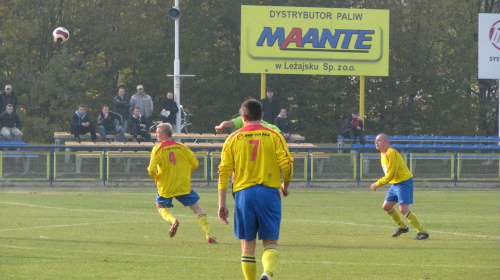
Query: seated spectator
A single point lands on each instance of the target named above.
(121, 105)
(110, 123)
(354, 127)
(139, 125)
(284, 123)
(10, 124)
(81, 124)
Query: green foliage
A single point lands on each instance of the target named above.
(431, 88)
(116, 233)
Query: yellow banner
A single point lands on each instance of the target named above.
(314, 41)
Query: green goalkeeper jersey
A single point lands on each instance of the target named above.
(238, 123)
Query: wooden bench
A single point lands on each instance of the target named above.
(61, 137)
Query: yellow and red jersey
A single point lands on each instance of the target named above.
(256, 154)
(170, 166)
(394, 167)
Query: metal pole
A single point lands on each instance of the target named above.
(362, 100)
(177, 72)
(263, 85)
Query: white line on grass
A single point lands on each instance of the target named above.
(366, 225)
(154, 213)
(237, 259)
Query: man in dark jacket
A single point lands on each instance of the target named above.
(121, 105)
(354, 127)
(169, 110)
(284, 123)
(10, 124)
(110, 123)
(8, 97)
(270, 106)
(139, 125)
(81, 124)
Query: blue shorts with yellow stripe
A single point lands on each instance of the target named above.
(257, 210)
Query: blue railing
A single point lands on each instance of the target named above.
(354, 164)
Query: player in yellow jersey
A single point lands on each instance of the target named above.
(170, 166)
(256, 154)
(401, 190)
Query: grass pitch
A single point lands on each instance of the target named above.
(116, 233)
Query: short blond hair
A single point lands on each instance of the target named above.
(165, 128)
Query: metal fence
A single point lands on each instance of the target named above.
(102, 164)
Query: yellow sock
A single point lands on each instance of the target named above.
(249, 267)
(396, 218)
(203, 221)
(270, 259)
(165, 213)
(412, 218)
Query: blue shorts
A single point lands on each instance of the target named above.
(186, 199)
(257, 210)
(401, 193)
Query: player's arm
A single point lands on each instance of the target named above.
(284, 188)
(225, 124)
(223, 211)
(285, 160)
(391, 169)
(226, 166)
(193, 161)
(153, 163)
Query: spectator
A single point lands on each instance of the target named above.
(110, 123)
(8, 97)
(170, 167)
(169, 110)
(81, 124)
(139, 125)
(354, 127)
(259, 162)
(271, 106)
(283, 122)
(143, 101)
(10, 124)
(121, 105)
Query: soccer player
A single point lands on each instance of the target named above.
(170, 166)
(256, 154)
(401, 190)
(238, 123)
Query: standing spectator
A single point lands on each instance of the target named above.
(257, 155)
(143, 101)
(110, 122)
(10, 124)
(81, 124)
(169, 110)
(121, 105)
(401, 190)
(354, 127)
(284, 123)
(139, 125)
(8, 97)
(170, 166)
(270, 106)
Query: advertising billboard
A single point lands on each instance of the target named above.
(314, 41)
(489, 46)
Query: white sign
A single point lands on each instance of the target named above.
(489, 46)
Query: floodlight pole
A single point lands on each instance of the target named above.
(177, 72)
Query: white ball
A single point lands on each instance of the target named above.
(60, 35)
